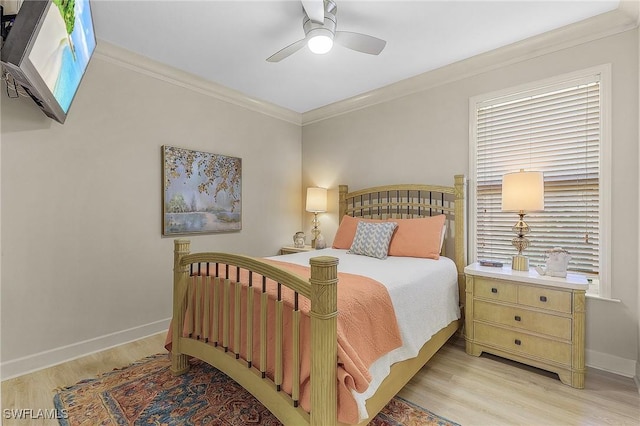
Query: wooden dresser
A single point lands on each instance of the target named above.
(525, 317)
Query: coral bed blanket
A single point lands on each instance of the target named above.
(367, 329)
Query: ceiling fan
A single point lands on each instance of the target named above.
(319, 24)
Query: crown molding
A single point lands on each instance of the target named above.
(143, 65)
(631, 8)
(624, 18)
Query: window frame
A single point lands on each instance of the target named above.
(605, 169)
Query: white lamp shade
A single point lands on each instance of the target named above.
(523, 191)
(316, 200)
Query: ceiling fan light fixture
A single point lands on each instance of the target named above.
(320, 41)
(320, 36)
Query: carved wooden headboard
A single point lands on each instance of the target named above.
(412, 201)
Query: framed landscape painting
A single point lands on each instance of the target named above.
(202, 192)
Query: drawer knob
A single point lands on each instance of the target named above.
(494, 290)
(518, 342)
(543, 298)
(517, 318)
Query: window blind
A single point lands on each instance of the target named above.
(555, 130)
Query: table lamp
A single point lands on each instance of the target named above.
(522, 192)
(316, 203)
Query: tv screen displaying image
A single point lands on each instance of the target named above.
(48, 50)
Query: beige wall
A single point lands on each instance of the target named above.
(424, 137)
(84, 265)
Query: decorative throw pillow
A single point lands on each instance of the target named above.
(420, 237)
(347, 231)
(372, 239)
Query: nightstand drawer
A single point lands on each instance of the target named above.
(494, 289)
(545, 298)
(526, 344)
(517, 317)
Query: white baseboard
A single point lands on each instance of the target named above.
(611, 363)
(30, 363)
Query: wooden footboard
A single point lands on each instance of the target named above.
(220, 345)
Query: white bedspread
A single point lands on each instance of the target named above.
(424, 293)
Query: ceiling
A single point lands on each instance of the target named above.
(227, 42)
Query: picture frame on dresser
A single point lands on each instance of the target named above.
(529, 318)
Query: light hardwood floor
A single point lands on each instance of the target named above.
(469, 390)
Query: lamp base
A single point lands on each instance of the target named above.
(520, 263)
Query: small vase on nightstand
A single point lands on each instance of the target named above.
(298, 239)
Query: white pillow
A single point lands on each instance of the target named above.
(372, 239)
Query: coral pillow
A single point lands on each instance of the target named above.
(347, 231)
(420, 237)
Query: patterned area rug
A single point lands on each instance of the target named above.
(146, 393)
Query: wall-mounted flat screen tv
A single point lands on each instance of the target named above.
(47, 51)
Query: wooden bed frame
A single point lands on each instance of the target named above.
(395, 201)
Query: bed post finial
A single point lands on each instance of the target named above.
(179, 361)
(324, 339)
(461, 231)
(180, 248)
(342, 201)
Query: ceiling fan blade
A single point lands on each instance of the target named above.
(289, 50)
(360, 42)
(314, 10)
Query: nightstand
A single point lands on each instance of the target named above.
(529, 318)
(292, 249)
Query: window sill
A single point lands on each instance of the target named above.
(593, 292)
(598, 297)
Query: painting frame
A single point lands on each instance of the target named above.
(201, 192)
